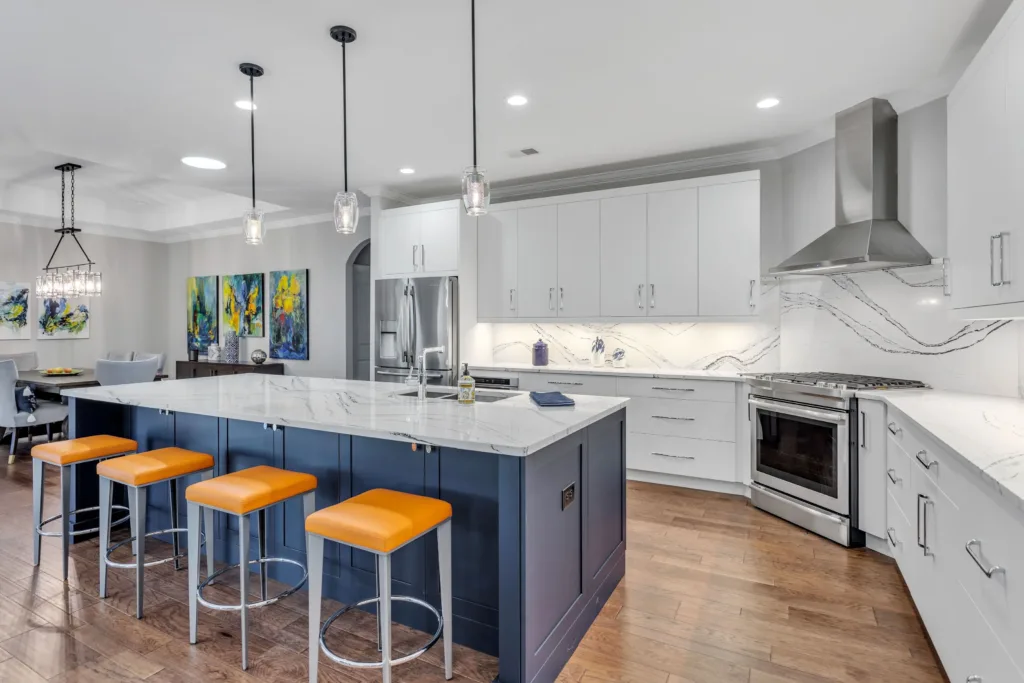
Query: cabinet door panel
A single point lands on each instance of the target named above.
(537, 262)
(439, 241)
(624, 256)
(872, 464)
(497, 237)
(730, 238)
(579, 248)
(672, 246)
(400, 234)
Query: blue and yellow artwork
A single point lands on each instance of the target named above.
(242, 304)
(202, 312)
(289, 314)
(14, 311)
(60, 319)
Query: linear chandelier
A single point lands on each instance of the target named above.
(75, 280)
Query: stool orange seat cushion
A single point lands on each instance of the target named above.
(162, 464)
(380, 520)
(83, 449)
(248, 490)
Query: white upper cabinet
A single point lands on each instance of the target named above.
(538, 262)
(624, 256)
(730, 249)
(579, 249)
(420, 240)
(497, 237)
(672, 253)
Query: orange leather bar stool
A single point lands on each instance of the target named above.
(240, 494)
(66, 454)
(380, 522)
(138, 472)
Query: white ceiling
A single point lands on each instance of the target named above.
(128, 88)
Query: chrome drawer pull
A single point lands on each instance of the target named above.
(924, 463)
(566, 384)
(671, 389)
(678, 419)
(890, 532)
(995, 569)
(975, 679)
(894, 430)
(893, 478)
(922, 520)
(670, 455)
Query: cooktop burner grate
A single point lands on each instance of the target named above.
(840, 380)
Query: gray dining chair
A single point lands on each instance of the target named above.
(48, 413)
(110, 372)
(121, 355)
(144, 355)
(25, 361)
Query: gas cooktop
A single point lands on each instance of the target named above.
(836, 380)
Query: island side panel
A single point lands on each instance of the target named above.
(89, 418)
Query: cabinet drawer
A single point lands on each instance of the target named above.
(917, 444)
(899, 535)
(976, 652)
(898, 479)
(691, 419)
(685, 457)
(686, 389)
(567, 383)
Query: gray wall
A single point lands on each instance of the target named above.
(132, 314)
(316, 247)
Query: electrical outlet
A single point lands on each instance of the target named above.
(568, 495)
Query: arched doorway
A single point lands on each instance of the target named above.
(359, 326)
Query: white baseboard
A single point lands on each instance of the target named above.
(879, 545)
(730, 487)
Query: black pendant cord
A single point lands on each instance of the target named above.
(64, 229)
(252, 137)
(344, 113)
(472, 33)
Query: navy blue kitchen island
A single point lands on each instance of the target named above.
(538, 495)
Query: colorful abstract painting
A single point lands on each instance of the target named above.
(61, 319)
(242, 304)
(14, 311)
(289, 314)
(202, 312)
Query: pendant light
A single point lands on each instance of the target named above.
(252, 219)
(77, 279)
(346, 204)
(476, 189)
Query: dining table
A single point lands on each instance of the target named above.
(56, 384)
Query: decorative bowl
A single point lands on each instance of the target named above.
(258, 356)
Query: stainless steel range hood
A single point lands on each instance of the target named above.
(868, 235)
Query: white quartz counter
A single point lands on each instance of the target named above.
(662, 373)
(515, 426)
(986, 431)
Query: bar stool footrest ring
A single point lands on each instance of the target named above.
(80, 532)
(151, 563)
(377, 665)
(252, 605)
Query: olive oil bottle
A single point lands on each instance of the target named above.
(467, 387)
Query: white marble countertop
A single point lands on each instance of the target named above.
(663, 373)
(515, 426)
(987, 432)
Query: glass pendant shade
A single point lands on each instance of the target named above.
(69, 284)
(252, 226)
(476, 191)
(346, 212)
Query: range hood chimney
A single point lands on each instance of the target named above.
(868, 235)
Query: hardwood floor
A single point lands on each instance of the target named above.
(715, 591)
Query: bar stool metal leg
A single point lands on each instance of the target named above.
(384, 614)
(65, 517)
(37, 508)
(315, 568)
(173, 486)
(193, 566)
(261, 532)
(243, 584)
(444, 559)
(137, 505)
(106, 488)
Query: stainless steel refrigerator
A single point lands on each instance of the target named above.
(414, 314)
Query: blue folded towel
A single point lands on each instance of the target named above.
(551, 399)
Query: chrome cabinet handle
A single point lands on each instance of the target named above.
(678, 419)
(974, 679)
(1002, 258)
(511, 299)
(922, 521)
(414, 248)
(890, 532)
(423, 256)
(551, 298)
(561, 298)
(751, 298)
(894, 430)
(863, 430)
(924, 463)
(566, 384)
(992, 261)
(892, 476)
(994, 569)
(673, 455)
(671, 389)
(639, 297)
(652, 296)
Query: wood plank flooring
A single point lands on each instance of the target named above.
(715, 591)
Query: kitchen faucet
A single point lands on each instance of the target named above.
(423, 368)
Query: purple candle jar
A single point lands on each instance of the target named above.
(540, 353)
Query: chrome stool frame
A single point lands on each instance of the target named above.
(65, 533)
(137, 499)
(195, 588)
(317, 633)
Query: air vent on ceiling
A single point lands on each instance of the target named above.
(526, 152)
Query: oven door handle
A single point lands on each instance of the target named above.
(800, 411)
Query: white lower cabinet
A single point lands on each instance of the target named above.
(871, 462)
(567, 383)
(683, 457)
(691, 419)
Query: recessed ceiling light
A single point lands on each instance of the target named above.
(517, 100)
(246, 105)
(204, 163)
(407, 170)
(768, 103)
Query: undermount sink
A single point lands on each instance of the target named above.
(448, 395)
(431, 393)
